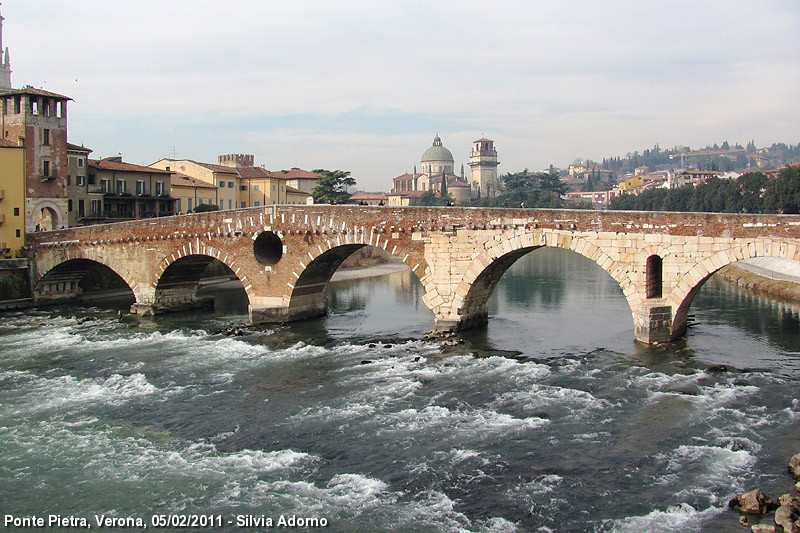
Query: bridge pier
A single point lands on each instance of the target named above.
(653, 323)
(473, 320)
(175, 297)
(262, 311)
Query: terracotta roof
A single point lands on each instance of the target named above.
(369, 196)
(8, 143)
(76, 148)
(408, 194)
(254, 173)
(296, 173)
(407, 176)
(296, 191)
(110, 164)
(455, 181)
(214, 168)
(33, 90)
(182, 180)
(483, 139)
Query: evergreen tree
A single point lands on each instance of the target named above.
(332, 186)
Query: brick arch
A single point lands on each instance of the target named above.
(488, 267)
(204, 250)
(692, 281)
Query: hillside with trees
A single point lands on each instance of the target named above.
(752, 192)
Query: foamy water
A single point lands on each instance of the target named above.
(387, 432)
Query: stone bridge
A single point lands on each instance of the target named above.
(285, 255)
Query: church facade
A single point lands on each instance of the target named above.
(438, 173)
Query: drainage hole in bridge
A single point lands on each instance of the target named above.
(268, 248)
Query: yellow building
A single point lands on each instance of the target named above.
(12, 199)
(191, 192)
(631, 183)
(224, 178)
(240, 184)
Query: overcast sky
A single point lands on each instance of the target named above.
(364, 85)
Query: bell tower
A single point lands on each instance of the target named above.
(5, 62)
(483, 162)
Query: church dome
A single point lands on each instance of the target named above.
(437, 152)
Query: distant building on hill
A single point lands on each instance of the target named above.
(438, 168)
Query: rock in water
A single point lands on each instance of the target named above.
(753, 502)
(762, 528)
(787, 513)
(794, 466)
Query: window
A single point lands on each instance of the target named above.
(78, 181)
(122, 187)
(654, 283)
(95, 208)
(69, 205)
(139, 187)
(46, 169)
(244, 204)
(231, 184)
(81, 208)
(92, 179)
(199, 201)
(105, 185)
(80, 162)
(69, 180)
(189, 202)
(45, 136)
(243, 188)
(178, 205)
(16, 211)
(273, 187)
(230, 202)
(159, 188)
(255, 187)
(256, 204)
(18, 233)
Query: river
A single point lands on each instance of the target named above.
(550, 419)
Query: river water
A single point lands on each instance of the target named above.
(550, 419)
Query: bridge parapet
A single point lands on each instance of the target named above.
(459, 254)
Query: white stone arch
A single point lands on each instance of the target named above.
(49, 263)
(46, 215)
(513, 246)
(690, 283)
(304, 294)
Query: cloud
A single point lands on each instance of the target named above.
(364, 86)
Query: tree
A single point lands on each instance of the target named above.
(205, 207)
(332, 186)
(430, 197)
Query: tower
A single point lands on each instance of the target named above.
(483, 162)
(5, 62)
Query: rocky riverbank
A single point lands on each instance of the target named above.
(784, 290)
(755, 504)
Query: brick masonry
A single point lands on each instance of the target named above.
(458, 254)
